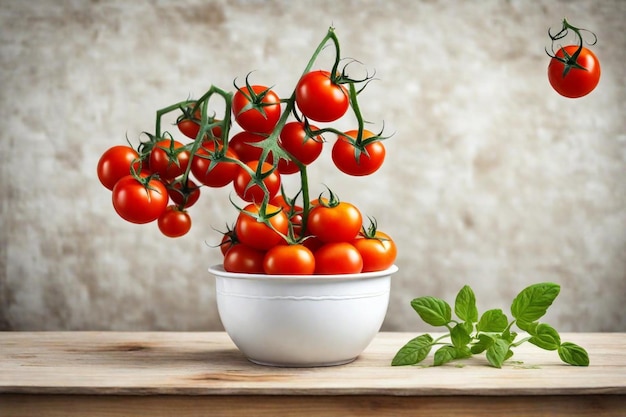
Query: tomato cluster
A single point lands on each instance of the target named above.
(273, 233)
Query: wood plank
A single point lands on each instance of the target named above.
(158, 363)
(299, 406)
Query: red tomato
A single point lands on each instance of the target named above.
(319, 98)
(169, 159)
(240, 143)
(577, 82)
(219, 175)
(115, 163)
(188, 123)
(294, 140)
(264, 112)
(250, 231)
(289, 260)
(378, 252)
(244, 259)
(255, 193)
(338, 258)
(184, 196)
(188, 127)
(137, 203)
(174, 222)
(286, 167)
(344, 156)
(340, 223)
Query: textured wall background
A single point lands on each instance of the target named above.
(492, 179)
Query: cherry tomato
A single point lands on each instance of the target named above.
(244, 259)
(169, 159)
(378, 252)
(178, 193)
(115, 163)
(255, 193)
(219, 175)
(287, 167)
(174, 222)
(344, 156)
(294, 140)
(241, 144)
(338, 258)
(340, 223)
(263, 115)
(188, 123)
(256, 233)
(137, 203)
(319, 98)
(289, 260)
(577, 82)
(188, 128)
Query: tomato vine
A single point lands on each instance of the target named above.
(322, 96)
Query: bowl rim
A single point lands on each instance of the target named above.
(219, 271)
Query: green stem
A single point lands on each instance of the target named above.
(357, 113)
(524, 340)
(306, 204)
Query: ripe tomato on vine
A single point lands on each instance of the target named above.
(574, 70)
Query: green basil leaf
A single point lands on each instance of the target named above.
(573, 354)
(528, 327)
(463, 352)
(414, 351)
(448, 353)
(468, 326)
(483, 343)
(498, 352)
(460, 337)
(492, 321)
(433, 311)
(546, 337)
(465, 305)
(444, 355)
(533, 302)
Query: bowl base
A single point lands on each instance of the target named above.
(302, 365)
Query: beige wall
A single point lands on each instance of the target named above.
(491, 180)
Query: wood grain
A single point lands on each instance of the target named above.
(109, 372)
(323, 406)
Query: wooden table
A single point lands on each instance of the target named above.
(193, 374)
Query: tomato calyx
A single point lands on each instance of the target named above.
(261, 215)
(192, 113)
(330, 202)
(255, 99)
(370, 231)
(229, 239)
(569, 61)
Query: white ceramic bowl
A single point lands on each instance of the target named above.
(302, 321)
